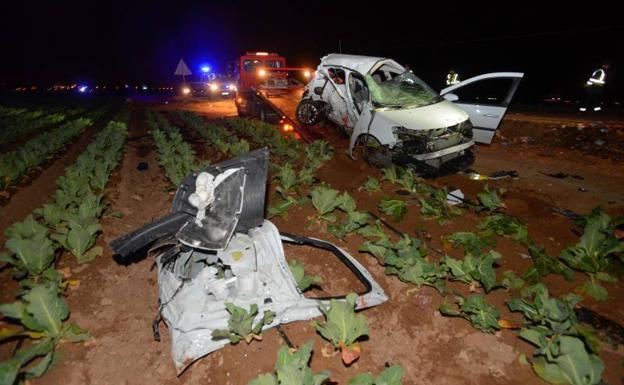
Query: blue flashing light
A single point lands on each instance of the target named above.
(205, 69)
(82, 89)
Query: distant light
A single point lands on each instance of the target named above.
(82, 89)
(306, 73)
(205, 69)
(213, 87)
(261, 72)
(582, 109)
(144, 87)
(127, 86)
(186, 91)
(287, 127)
(597, 108)
(231, 87)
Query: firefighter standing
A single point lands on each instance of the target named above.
(452, 78)
(595, 87)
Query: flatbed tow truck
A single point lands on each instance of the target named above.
(269, 90)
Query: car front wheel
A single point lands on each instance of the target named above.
(309, 112)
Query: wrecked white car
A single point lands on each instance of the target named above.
(215, 247)
(393, 116)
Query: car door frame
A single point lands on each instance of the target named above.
(483, 131)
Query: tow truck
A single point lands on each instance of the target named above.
(269, 90)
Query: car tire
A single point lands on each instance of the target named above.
(309, 112)
(369, 149)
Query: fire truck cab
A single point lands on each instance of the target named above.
(263, 75)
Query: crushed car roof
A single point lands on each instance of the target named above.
(361, 64)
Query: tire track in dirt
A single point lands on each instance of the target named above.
(40, 188)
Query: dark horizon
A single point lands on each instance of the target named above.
(557, 46)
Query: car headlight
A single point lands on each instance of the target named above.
(465, 128)
(402, 133)
(214, 87)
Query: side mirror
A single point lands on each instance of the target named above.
(318, 91)
(450, 97)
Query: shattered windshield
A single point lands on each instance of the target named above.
(403, 91)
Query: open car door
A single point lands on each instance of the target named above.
(485, 98)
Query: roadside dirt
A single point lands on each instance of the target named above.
(117, 303)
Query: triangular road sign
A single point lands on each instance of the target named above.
(182, 69)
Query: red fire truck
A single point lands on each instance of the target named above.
(267, 89)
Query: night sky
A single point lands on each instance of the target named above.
(556, 45)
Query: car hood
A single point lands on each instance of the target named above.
(439, 115)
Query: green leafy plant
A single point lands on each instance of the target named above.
(318, 152)
(474, 309)
(371, 185)
(489, 200)
(392, 375)
(474, 270)
(407, 259)
(325, 200)
(343, 327)
(355, 219)
(292, 368)
(511, 281)
(40, 307)
(473, 243)
(303, 281)
(544, 264)
(41, 311)
(436, 205)
(174, 154)
(373, 231)
(239, 147)
(79, 238)
(14, 369)
(408, 180)
(501, 224)
(566, 350)
(391, 174)
(240, 324)
(15, 164)
(593, 252)
(281, 208)
(33, 251)
(288, 178)
(396, 208)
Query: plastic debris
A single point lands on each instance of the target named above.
(455, 197)
(142, 166)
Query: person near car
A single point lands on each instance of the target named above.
(594, 88)
(452, 78)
